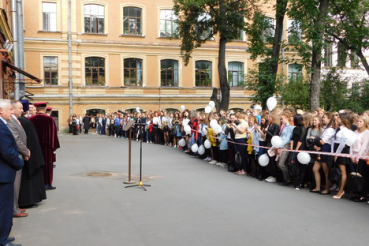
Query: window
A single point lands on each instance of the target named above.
(94, 18)
(95, 71)
(342, 55)
(49, 16)
(354, 60)
(202, 26)
(235, 74)
(169, 72)
(268, 33)
(328, 56)
(294, 72)
(132, 21)
(51, 70)
(294, 31)
(133, 72)
(203, 73)
(168, 25)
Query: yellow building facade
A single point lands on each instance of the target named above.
(122, 58)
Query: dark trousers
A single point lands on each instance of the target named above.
(240, 147)
(215, 153)
(6, 211)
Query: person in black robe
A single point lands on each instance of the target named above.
(49, 142)
(86, 123)
(32, 189)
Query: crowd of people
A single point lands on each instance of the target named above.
(27, 154)
(246, 135)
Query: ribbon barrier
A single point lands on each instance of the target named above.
(297, 151)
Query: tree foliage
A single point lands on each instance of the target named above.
(296, 93)
(196, 17)
(203, 20)
(266, 47)
(349, 25)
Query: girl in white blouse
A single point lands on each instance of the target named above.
(360, 148)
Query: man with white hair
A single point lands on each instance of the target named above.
(9, 164)
(21, 139)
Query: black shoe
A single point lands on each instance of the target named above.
(12, 244)
(314, 191)
(50, 187)
(54, 166)
(359, 199)
(285, 183)
(322, 193)
(11, 239)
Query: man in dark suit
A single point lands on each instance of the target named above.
(9, 164)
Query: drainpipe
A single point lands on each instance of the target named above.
(70, 82)
(21, 83)
(15, 43)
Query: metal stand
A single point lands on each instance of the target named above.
(129, 181)
(140, 184)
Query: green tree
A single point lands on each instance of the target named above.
(334, 91)
(264, 80)
(349, 25)
(296, 93)
(201, 20)
(312, 18)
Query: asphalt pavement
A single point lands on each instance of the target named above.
(189, 203)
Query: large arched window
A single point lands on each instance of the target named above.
(203, 73)
(94, 18)
(235, 74)
(133, 72)
(132, 21)
(169, 72)
(95, 71)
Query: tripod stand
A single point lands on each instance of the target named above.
(140, 184)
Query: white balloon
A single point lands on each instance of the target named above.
(276, 142)
(349, 137)
(271, 103)
(138, 109)
(194, 148)
(187, 129)
(182, 142)
(201, 150)
(264, 160)
(217, 129)
(183, 108)
(204, 130)
(212, 104)
(208, 109)
(213, 123)
(303, 158)
(207, 144)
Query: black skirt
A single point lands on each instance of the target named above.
(342, 160)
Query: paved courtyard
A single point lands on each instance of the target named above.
(190, 203)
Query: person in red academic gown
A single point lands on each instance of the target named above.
(49, 142)
(32, 189)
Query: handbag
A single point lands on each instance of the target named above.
(292, 165)
(355, 182)
(334, 174)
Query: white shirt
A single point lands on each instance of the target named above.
(5, 122)
(361, 145)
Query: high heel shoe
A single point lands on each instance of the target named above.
(339, 197)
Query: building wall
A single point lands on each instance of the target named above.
(115, 47)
